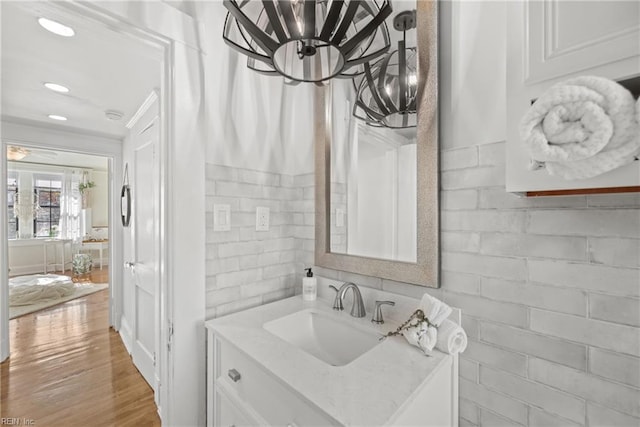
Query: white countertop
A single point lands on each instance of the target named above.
(368, 391)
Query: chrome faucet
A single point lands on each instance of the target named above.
(357, 310)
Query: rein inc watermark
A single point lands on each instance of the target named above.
(17, 421)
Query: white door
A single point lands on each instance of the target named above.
(143, 172)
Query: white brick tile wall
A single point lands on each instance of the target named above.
(532, 344)
(598, 415)
(564, 300)
(246, 267)
(485, 265)
(540, 418)
(489, 355)
(586, 222)
(535, 393)
(617, 396)
(497, 402)
(625, 310)
(620, 338)
(615, 366)
(459, 199)
(459, 159)
(469, 369)
(536, 246)
(469, 411)
(615, 251)
(488, 418)
(587, 277)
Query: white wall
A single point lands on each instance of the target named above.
(100, 199)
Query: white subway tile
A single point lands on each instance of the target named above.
(620, 338)
(497, 402)
(615, 366)
(468, 369)
(281, 193)
(600, 416)
(491, 176)
(232, 235)
(258, 177)
(239, 305)
(238, 278)
(304, 180)
(471, 326)
(222, 296)
(283, 244)
(488, 418)
(458, 199)
(586, 277)
(361, 280)
(456, 241)
(401, 288)
(534, 393)
(532, 344)
(484, 265)
(218, 266)
(625, 310)
(537, 246)
(622, 398)
(483, 308)
(615, 251)
(250, 205)
(278, 270)
(565, 300)
(235, 189)
(469, 411)
(260, 287)
(591, 222)
(488, 220)
(226, 250)
(465, 423)
(540, 418)
(614, 200)
(247, 261)
(460, 282)
(488, 355)
(459, 159)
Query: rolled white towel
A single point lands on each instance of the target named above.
(452, 338)
(439, 332)
(582, 127)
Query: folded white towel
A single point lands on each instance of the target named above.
(438, 332)
(452, 338)
(582, 127)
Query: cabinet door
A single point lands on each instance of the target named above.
(228, 414)
(550, 41)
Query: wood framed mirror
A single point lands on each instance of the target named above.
(349, 225)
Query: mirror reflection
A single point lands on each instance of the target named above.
(373, 165)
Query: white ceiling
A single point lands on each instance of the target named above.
(62, 158)
(103, 69)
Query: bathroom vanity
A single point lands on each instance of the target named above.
(299, 363)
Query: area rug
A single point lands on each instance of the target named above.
(81, 290)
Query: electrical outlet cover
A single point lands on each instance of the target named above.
(262, 218)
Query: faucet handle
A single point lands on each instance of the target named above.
(377, 313)
(337, 302)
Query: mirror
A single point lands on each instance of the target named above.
(377, 186)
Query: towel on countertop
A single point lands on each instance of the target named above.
(439, 332)
(582, 127)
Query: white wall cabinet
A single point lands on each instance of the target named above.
(550, 41)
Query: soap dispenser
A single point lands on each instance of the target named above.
(309, 286)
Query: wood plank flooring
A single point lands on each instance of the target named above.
(68, 368)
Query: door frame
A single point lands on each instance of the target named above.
(182, 166)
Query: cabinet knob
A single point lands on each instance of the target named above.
(234, 375)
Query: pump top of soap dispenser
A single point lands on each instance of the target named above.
(309, 272)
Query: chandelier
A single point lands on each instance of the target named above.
(308, 40)
(386, 93)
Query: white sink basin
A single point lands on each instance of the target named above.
(324, 336)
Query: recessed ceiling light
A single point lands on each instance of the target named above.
(56, 87)
(56, 117)
(56, 27)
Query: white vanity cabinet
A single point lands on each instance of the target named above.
(257, 379)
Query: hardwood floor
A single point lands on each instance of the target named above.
(68, 368)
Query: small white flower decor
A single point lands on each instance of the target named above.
(82, 264)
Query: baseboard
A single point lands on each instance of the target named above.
(21, 270)
(125, 334)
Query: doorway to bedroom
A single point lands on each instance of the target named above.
(58, 227)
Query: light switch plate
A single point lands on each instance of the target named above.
(221, 217)
(262, 218)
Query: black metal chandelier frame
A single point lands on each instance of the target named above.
(285, 26)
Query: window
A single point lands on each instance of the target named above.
(47, 188)
(12, 189)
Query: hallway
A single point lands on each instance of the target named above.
(68, 368)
